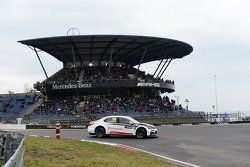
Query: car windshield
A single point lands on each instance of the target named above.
(134, 121)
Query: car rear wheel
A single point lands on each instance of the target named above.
(100, 132)
(140, 133)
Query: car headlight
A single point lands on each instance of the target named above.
(150, 127)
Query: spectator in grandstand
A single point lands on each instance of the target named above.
(117, 105)
(11, 105)
(94, 73)
(63, 106)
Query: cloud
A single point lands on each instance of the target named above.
(218, 31)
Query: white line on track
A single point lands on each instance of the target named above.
(167, 158)
(34, 135)
(99, 142)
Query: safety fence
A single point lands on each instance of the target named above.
(12, 149)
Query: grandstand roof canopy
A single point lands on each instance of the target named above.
(126, 48)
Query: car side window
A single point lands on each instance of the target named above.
(110, 120)
(124, 121)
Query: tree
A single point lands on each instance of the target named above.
(10, 92)
(29, 89)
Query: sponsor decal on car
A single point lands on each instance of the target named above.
(120, 133)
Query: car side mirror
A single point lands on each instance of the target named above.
(131, 123)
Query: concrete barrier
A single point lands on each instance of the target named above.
(12, 127)
(54, 127)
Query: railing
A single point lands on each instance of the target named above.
(12, 149)
(109, 80)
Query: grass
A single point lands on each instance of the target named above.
(50, 152)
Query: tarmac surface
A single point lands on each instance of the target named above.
(202, 145)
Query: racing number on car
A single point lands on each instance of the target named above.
(114, 119)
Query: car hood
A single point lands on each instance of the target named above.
(145, 124)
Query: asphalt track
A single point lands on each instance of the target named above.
(208, 146)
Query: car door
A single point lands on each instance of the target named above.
(112, 125)
(125, 126)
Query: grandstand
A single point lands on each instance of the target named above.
(11, 105)
(101, 76)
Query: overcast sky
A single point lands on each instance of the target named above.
(218, 30)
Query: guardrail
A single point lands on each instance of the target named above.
(12, 149)
(109, 80)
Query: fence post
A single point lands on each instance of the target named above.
(2, 145)
(58, 126)
(8, 151)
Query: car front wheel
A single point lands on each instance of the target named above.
(141, 133)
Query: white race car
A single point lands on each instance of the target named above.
(121, 125)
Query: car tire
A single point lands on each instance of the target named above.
(141, 133)
(100, 132)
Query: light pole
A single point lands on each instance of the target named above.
(177, 100)
(213, 112)
(216, 99)
(187, 101)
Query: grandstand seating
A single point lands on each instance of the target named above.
(59, 106)
(91, 106)
(93, 73)
(13, 104)
(67, 108)
(65, 75)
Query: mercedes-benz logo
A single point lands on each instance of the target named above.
(43, 88)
